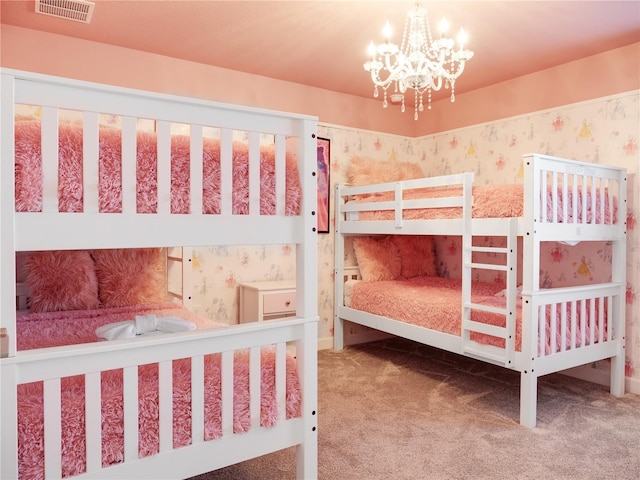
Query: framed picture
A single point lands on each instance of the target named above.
(324, 163)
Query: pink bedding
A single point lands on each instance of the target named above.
(64, 328)
(436, 303)
(489, 201)
(28, 173)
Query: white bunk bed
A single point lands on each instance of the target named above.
(546, 316)
(48, 229)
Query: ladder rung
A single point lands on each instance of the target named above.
(485, 308)
(486, 356)
(490, 249)
(487, 266)
(493, 330)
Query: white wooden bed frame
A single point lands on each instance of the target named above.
(541, 172)
(49, 231)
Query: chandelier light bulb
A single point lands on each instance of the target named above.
(387, 31)
(419, 62)
(443, 26)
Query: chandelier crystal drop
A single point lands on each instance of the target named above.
(420, 63)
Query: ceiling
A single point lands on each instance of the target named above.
(323, 43)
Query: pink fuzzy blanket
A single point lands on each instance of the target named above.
(28, 173)
(489, 201)
(65, 328)
(435, 303)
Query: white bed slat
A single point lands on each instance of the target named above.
(281, 380)
(93, 421)
(254, 173)
(227, 392)
(197, 399)
(90, 146)
(281, 161)
(254, 385)
(226, 162)
(52, 428)
(195, 172)
(553, 324)
(554, 196)
(129, 164)
(130, 408)
(49, 126)
(165, 410)
(164, 167)
(563, 323)
(574, 324)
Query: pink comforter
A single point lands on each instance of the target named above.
(436, 303)
(61, 328)
(28, 179)
(489, 201)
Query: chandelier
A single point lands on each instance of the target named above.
(420, 63)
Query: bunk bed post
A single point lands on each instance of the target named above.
(338, 277)
(530, 285)
(307, 301)
(8, 372)
(619, 275)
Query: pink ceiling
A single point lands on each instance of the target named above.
(323, 43)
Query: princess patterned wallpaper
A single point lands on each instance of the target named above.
(604, 130)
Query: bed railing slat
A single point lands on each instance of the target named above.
(254, 385)
(227, 392)
(195, 172)
(164, 167)
(52, 428)
(50, 157)
(226, 162)
(165, 407)
(281, 379)
(93, 421)
(90, 147)
(130, 408)
(197, 399)
(254, 173)
(129, 148)
(281, 159)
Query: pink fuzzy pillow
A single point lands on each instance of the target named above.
(378, 258)
(131, 276)
(417, 255)
(365, 171)
(61, 280)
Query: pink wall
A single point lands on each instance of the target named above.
(26, 49)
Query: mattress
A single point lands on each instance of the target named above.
(491, 201)
(28, 173)
(39, 330)
(436, 303)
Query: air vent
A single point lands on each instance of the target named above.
(77, 10)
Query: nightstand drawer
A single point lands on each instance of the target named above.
(279, 303)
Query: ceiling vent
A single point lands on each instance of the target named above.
(77, 10)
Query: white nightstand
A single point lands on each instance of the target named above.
(259, 301)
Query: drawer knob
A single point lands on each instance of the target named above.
(288, 303)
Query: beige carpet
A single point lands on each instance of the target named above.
(398, 410)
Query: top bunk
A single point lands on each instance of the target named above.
(559, 200)
(99, 166)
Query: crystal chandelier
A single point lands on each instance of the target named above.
(420, 63)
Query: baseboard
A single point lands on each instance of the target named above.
(602, 377)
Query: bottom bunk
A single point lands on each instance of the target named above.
(192, 402)
(573, 325)
(126, 384)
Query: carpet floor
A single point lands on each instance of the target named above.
(395, 409)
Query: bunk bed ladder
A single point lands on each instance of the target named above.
(503, 356)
